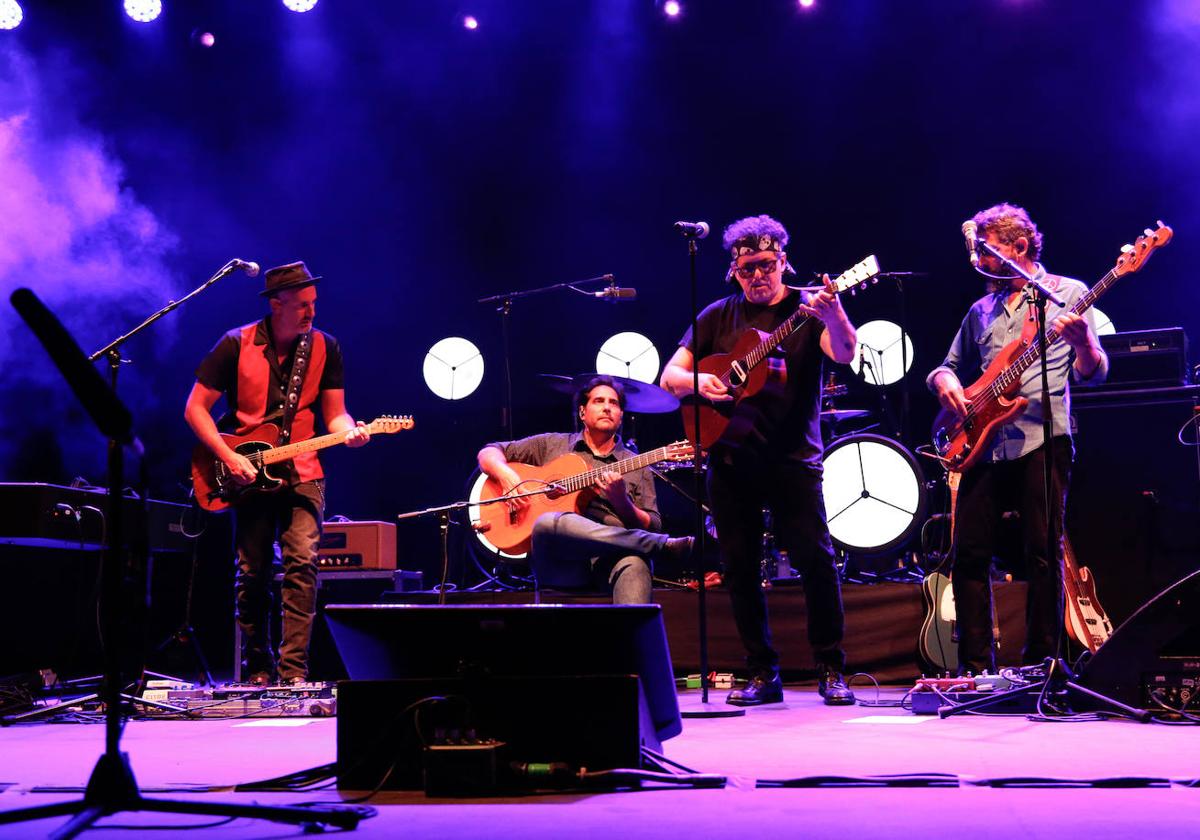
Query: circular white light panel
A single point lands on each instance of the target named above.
(1104, 324)
(892, 494)
(453, 368)
(10, 14)
(630, 355)
(879, 344)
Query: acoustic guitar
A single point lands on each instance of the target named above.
(742, 370)
(961, 441)
(215, 488)
(562, 486)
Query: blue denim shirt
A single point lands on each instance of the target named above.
(992, 324)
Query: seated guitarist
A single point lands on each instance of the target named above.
(775, 458)
(615, 540)
(1010, 476)
(252, 366)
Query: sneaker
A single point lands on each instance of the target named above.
(764, 688)
(832, 686)
(259, 678)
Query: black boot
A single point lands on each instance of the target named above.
(764, 688)
(833, 688)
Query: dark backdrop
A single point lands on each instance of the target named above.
(418, 166)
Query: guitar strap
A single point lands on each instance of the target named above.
(295, 384)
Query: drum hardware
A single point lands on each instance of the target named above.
(640, 397)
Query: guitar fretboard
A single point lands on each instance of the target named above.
(1030, 355)
(291, 450)
(583, 480)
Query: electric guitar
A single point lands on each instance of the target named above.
(1086, 620)
(961, 441)
(215, 488)
(741, 370)
(562, 486)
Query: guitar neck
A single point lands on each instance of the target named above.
(583, 480)
(1033, 352)
(291, 450)
(764, 347)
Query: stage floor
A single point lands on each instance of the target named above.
(799, 738)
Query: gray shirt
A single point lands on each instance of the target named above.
(992, 324)
(539, 450)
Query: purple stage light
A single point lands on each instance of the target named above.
(299, 5)
(470, 22)
(10, 14)
(672, 8)
(143, 11)
(807, 4)
(205, 39)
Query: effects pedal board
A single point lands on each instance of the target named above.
(245, 701)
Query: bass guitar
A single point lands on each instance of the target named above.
(215, 488)
(742, 370)
(1086, 620)
(562, 486)
(993, 400)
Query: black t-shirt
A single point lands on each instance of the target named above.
(783, 424)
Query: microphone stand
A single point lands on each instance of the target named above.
(698, 490)
(112, 787)
(505, 301)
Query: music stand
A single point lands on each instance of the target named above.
(112, 787)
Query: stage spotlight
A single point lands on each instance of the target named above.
(300, 5)
(807, 4)
(10, 14)
(201, 38)
(453, 368)
(143, 11)
(672, 8)
(470, 22)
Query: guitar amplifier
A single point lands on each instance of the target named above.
(357, 546)
(1145, 358)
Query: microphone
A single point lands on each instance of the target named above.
(692, 230)
(251, 268)
(616, 293)
(970, 230)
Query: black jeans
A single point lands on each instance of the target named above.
(987, 491)
(294, 514)
(738, 490)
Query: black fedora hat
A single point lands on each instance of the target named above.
(291, 276)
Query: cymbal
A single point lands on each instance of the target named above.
(835, 414)
(640, 397)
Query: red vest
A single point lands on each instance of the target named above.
(254, 378)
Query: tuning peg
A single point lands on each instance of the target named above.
(1160, 223)
(1148, 232)
(1126, 248)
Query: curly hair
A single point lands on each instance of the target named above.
(1010, 222)
(585, 393)
(754, 226)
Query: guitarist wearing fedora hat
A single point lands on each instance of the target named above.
(278, 370)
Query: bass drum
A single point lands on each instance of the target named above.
(874, 494)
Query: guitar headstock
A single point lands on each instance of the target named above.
(680, 450)
(862, 274)
(389, 424)
(1134, 256)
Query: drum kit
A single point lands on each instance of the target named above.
(876, 494)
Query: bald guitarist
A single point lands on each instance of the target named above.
(613, 540)
(1008, 475)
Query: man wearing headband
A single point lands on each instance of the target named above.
(1010, 476)
(775, 460)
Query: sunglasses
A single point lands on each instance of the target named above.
(765, 266)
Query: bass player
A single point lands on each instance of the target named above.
(615, 538)
(1009, 476)
(261, 368)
